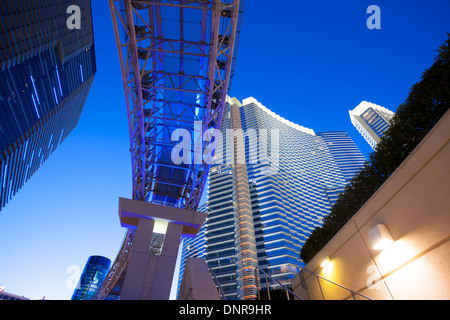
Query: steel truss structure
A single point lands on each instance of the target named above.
(176, 59)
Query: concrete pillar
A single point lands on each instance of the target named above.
(149, 276)
(133, 285)
(197, 283)
(165, 266)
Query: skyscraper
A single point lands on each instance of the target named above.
(93, 274)
(47, 68)
(344, 151)
(371, 120)
(261, 212)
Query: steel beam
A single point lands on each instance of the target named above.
(176, 59)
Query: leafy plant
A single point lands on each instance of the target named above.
(426, 103)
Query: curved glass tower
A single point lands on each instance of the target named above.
(93, 274)
(287, 183)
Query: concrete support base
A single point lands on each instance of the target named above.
(197, 283)
(149, 276)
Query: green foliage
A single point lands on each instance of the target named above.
(427, 102)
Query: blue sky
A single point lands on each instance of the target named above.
(309, 62)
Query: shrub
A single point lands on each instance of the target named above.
(426, 103)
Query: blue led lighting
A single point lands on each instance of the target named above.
(35, 91)
(49, 141)
(6, 167)
(59, 141)
(59, 81)
(81, 72)
(54, 92)
(35, 107)
(25, 150)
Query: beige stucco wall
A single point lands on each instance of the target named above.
(414, 204)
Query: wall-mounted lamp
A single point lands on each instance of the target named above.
(325, 261)
(380, 237)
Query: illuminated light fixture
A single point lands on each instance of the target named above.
(380, 237)
(325, 261)
(160, 226)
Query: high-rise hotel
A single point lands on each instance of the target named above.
(47, 66)
(371, 120)
(261, 210)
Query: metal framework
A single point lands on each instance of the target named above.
(176, 59)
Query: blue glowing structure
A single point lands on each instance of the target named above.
(177, 59)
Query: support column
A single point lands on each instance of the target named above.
(149, 276)
(139, 257)
(166, 263)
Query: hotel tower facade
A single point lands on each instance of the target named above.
(371, 120)
(261, 212)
